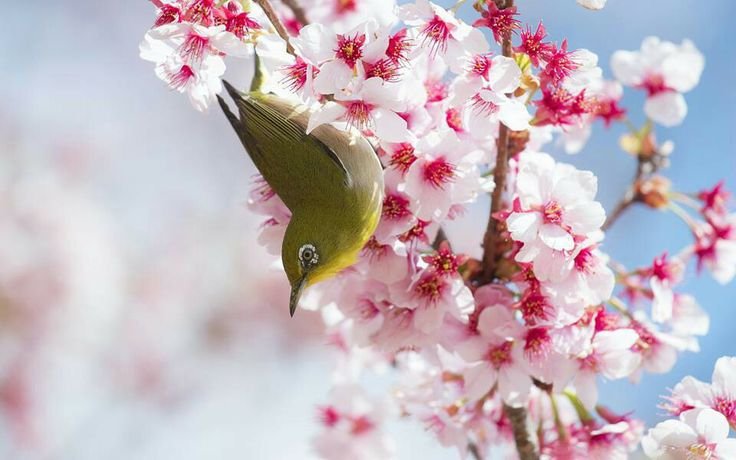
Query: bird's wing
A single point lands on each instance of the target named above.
(299, 167)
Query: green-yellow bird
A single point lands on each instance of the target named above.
(330, 180)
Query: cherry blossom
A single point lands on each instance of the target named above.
(665, 71)
(699, 433)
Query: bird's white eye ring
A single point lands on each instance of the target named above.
(308, 255)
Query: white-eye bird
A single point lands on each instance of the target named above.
(331, 181)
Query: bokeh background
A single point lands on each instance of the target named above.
(140, 319)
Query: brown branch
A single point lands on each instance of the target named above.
(277, 24)
(473, 450)
(493, 250)
(298, 11)
(630, 197)
(526, 449)
(494, 228)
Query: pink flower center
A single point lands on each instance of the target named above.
(552, 212)
(500, 355)
(350, 49)
(481, 65)
(344, 6)
(241, 25)
(534, 46)
(329, 416)
(700, 451)
(361, 425)
(590, 363)
(417, 232)
(654, 84)
(167, 15)
(194, 47)
(483, 106)
(559, 64)
(395, 207)
(727, 407)
(200, 12)
(436, 90)
(436, 32)
(444, 262)
(454, 120)
(398, 47)
(662, 269)
(403, 158)
(534, 308)
(585, 260)
(385, 69)
(367, 310)
(430, 288)
(439, 172)
(179, 80)
(295, 75)
(359, 114)
(538, 343)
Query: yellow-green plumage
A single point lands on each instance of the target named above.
(330, 180)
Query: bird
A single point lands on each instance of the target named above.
(331, 180)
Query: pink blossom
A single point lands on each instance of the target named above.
(665, 71)
(699, 433)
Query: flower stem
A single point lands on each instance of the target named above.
(277, 24)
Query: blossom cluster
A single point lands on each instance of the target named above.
(433, 94)
(705, 415)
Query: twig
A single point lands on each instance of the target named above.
(493, 229)
(630, 197)
(473, 449)
(524, 445)
(298, 11)
(277, 24)
(440, 238)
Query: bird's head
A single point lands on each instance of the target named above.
(315, 249)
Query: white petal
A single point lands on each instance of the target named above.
(524, 226)
(682, 70)
(515, 115)
(479, 380)
(334, 76)
(230, 44)
(315, 43)
(627, 67)
(668, 108)
(724, 376)
(712, 425)
(620, 339)
(328, 113)
(556, 237)
(592, 4)
(504, 75)
(389, 126)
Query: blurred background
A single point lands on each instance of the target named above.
(140, 319)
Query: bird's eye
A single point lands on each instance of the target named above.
(308, 255)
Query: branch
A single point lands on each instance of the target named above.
(524, 445)
(277, 24)
(473, 450)
(298, 11)
(493, 230)
(630, 197)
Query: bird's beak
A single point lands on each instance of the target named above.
(296, 293)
